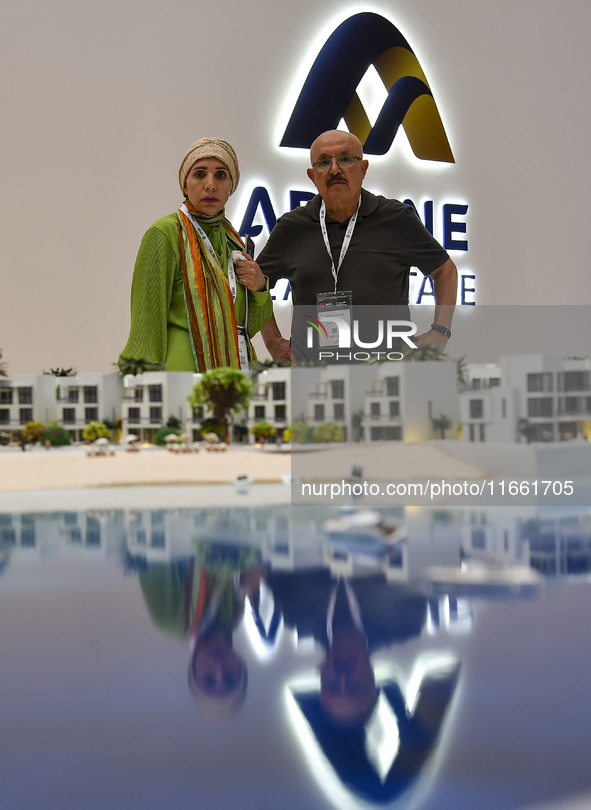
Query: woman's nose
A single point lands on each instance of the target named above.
(210, 181)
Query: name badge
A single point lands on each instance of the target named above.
(242, 348)
(333, 305)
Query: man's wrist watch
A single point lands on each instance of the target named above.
(437, 327)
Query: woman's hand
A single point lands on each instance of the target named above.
(250, 274)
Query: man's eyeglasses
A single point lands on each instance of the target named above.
(344, 162)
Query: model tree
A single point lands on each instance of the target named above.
(96, 430)
(32, 432)
(329, 432)
(263, 431)
(225, 391)
(56, 436)
(301, 432)
(442, 423)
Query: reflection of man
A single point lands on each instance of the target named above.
(371, 244)
(348, 691)
(352, 619)
(363, 755)
(312, 603)
(201, 600)
(358, 621)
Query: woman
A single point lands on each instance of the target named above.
(192, 307)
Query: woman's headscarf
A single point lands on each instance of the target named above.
(207, 148)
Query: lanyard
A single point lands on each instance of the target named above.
(353, 607)
(214, 256)
(346, 240)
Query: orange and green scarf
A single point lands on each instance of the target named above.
(208, 297)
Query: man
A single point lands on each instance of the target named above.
(371, 244)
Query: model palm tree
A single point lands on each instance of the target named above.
(62, 372)
(264, 365)
(526, 429)
(442, 423)
(426, 353)
(357, 423)
(462, 368)
(129, 365)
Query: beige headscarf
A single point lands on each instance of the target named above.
(210, 147)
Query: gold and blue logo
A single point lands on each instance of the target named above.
(330, 94)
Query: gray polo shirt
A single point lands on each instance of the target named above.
(388, 240)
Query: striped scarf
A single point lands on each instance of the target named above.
(208, 297)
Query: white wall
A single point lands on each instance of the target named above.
(100, 101)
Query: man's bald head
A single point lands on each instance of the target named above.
(338, 186)
(334, 142)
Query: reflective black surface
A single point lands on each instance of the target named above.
(295, 657)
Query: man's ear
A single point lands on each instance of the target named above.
(310, 173)
(365, 165)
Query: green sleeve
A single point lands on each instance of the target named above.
(260, 309)
(164, 588)
(151, 291)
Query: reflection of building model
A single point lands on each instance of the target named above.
(552, 544)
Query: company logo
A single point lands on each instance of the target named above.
(390, 333)
(329, 92)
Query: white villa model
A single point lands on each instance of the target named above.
(533, 398)
(544, 398)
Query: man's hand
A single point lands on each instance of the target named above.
(250, 274)
(432, 338)
(278, 347)
(445, 285)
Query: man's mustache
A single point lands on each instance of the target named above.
(335, 178)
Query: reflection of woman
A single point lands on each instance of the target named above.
(201, 600)
(192, 309)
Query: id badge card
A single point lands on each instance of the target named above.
(333, 305)
(242, 348)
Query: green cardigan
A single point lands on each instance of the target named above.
(171, 590)
(159, 332)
